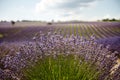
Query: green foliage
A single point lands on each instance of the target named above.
(61, 67)
(113, 19)
(1, 35)
(12, 22)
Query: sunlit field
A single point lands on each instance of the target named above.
(59, 39)
(60, 51)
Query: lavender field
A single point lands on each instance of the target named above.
(26, 43)
(59, 39)
(105, 32)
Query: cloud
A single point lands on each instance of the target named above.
(65, 5)
(106, 16)
(63, 8)
(110, 16)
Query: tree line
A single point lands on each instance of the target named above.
(113, 19)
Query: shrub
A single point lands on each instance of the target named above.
(49, 23)
(33, 55)
(12, 22)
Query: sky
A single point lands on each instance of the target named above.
(59, 10)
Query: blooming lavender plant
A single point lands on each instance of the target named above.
(55, 44)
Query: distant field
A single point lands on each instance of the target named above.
(105, 30)
(26, 30)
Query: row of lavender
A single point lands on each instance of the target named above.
(99, 30)
(14, 59)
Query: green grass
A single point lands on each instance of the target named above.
(1, 35)
(61, 68)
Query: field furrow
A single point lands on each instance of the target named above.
(79, 30)
(96, 32)
(101, 31)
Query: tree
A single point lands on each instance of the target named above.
(113, 19)
(12, 22)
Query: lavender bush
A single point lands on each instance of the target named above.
(55, 44)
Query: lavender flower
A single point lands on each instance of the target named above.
(56, 44)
